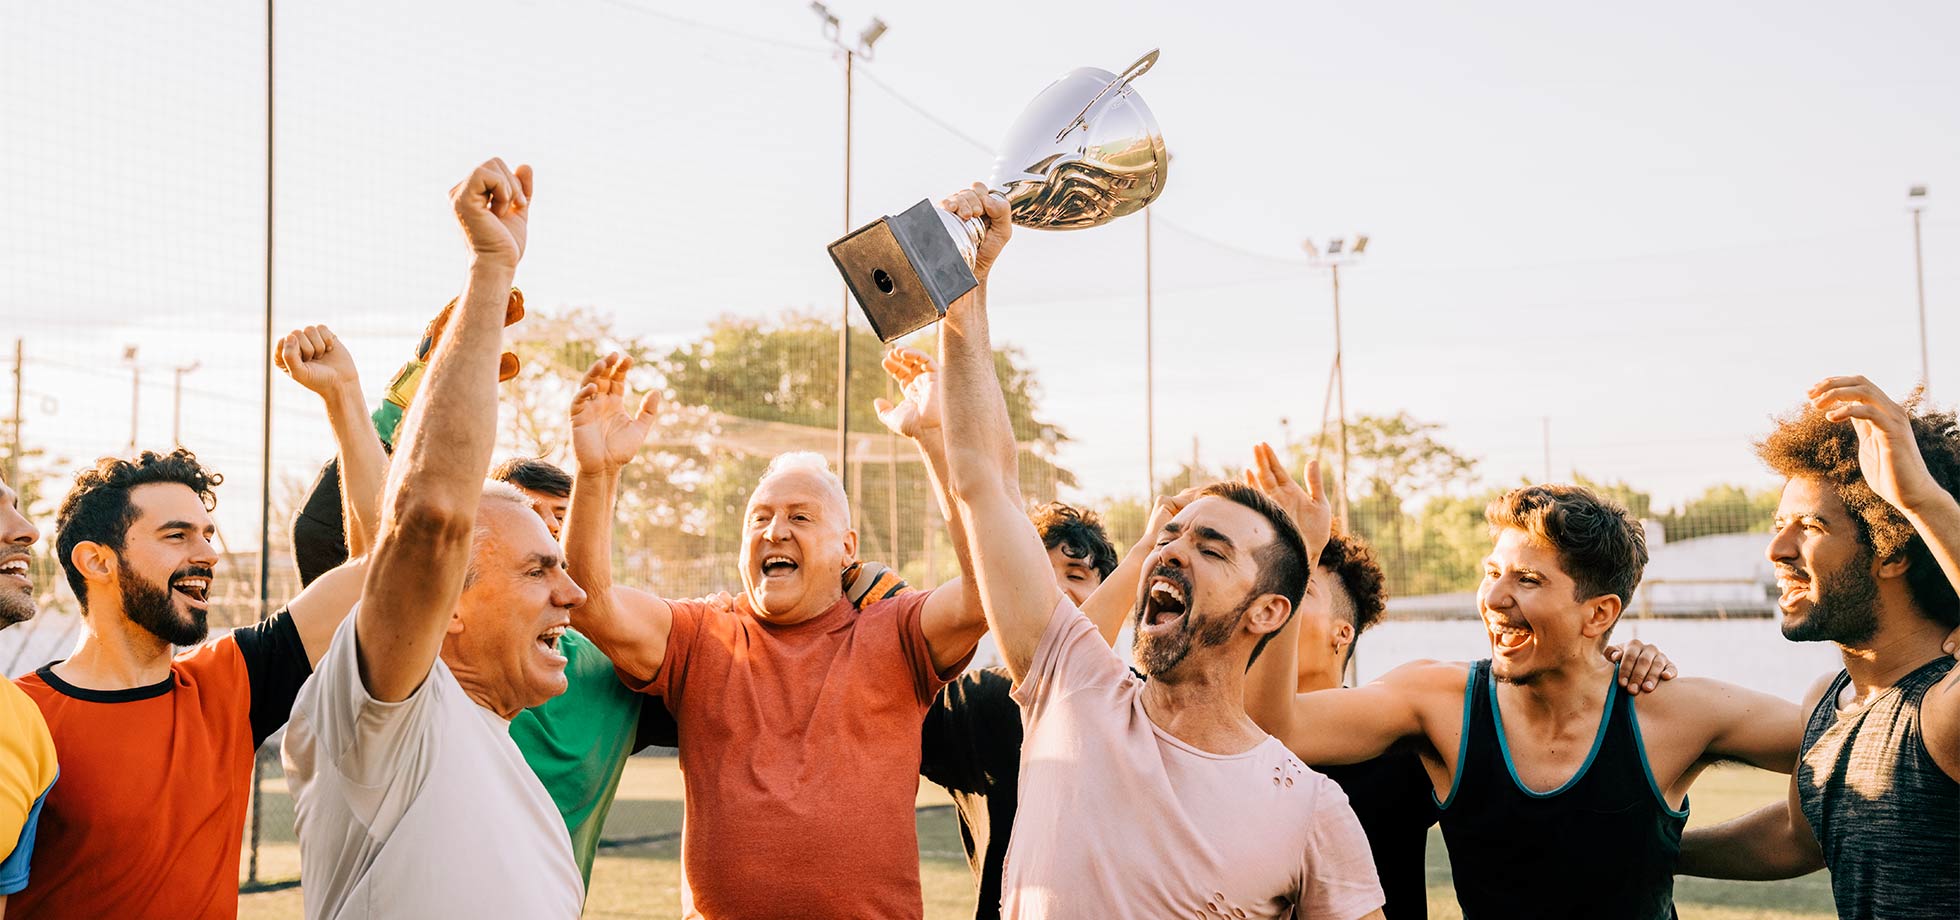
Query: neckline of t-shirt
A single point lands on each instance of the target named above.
(821, 621)
(127, 695)
(1195, 751)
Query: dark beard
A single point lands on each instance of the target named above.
(149, 605)
(16, 607)
(1156, 657)
(1847, 599)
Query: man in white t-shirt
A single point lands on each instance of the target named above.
(411, 799)
(1145, 799)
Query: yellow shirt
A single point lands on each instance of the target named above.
(27, 772)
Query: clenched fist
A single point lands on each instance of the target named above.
(494, 207)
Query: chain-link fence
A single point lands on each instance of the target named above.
(157, 216)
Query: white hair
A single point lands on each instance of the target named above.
(809, 461)
(494, 490)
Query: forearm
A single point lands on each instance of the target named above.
(1115, 599)
(1938, 521)
(1271, 684)
(635, 648)
(1760, 846)
(363, 466)
(932, 449)
(415, 573)
(979, 439)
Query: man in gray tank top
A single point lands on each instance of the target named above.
(1867, 552)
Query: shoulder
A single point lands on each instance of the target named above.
(1428, 677)
(219, 658)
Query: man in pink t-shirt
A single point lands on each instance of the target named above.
(1158, 798)
(800, 716)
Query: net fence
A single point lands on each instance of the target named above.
(134, 297)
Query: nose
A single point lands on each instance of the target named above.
(775, 529)
(1496, 594)
(204, 552)
(1784, 545)
(15, 531)
(567, 594)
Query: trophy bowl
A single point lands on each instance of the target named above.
(1085, 152)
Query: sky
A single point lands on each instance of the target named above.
(1643, 229)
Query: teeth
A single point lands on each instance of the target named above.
(192, 584)
(1168, 589)
(17, 567)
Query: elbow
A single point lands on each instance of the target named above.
(431, 522)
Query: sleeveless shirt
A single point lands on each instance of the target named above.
(1603, 845)
(1886, 816)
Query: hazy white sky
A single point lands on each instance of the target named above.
(1653, 225)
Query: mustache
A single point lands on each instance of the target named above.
(1793, 572)
(192, 571)
(1172, 574)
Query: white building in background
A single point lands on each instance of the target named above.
(1716, 577)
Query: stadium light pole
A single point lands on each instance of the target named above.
(1916, 202)
(177, 401)
(135, 392)
(866, 40)
(1340, 251)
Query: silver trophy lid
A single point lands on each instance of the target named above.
(1083, 153)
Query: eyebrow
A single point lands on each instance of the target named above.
(548, 560)
(1208, 534)
(183, 525)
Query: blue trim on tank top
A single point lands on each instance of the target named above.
(1462, 742)
(1599, 738)
(1640, 747)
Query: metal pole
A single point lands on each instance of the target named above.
(13, 456)
(135, 396)
(1149, 374)
(1919, 278)
(844, 319)
(177, 400)
(265, 429)
(1340, 382)
(1547, 422)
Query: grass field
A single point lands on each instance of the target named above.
(641, 877)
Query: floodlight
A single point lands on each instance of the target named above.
(871, 33)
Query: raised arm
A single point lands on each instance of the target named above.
(952, 619)
(1890, 461)
(415, 572)
(629, 626)
(1010, 566)
(316, 359)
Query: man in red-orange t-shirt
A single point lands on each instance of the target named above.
(156, 749)
(800, 719)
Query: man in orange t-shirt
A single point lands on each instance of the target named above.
(156, 750)
(800, 719)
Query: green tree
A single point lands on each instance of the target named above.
(1724, 508)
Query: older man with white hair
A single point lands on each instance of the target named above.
(411, 798)
(800, 715)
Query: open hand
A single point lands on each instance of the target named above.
(991, 209)
(1166, 508)
(917, 411)
(316, 360)
(494, 207)
(605, 436)
(1888, 455)
(1642, 666)
(1308, 506)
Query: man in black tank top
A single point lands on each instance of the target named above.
(1558, 796)
(1868, 556)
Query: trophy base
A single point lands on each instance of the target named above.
(904, 270)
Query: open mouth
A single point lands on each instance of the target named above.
(1506, 635)
(775, 565)
(1165, 602)
(548, 642)
(194, 588)
(1794, 584)
(15, 567)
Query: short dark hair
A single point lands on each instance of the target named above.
(1598, 542)
(1806, 445)
(1353, 561)
(1283, 563)
(97, 508)
(1079, 532)
(534, 475)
